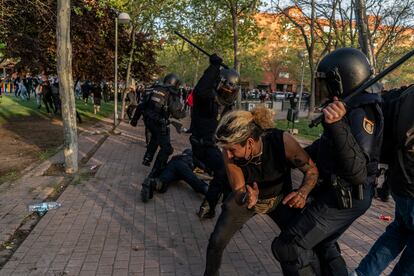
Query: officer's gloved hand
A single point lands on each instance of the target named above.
(216, 60)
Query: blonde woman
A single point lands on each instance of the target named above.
(258, 159)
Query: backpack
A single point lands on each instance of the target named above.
(160, 102)
(398, 112)
(175, 106)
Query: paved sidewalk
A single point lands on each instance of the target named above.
(103, 228)
(36, 185)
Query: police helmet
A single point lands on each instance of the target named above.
(342, 72)
(228, 86)
(172, 80)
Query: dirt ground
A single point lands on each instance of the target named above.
(26, 140)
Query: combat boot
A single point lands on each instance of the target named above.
(146, 162)
(206, 211)
(158, 185)
(147, 190)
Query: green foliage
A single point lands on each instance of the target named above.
(304, 130)
(9, 177)
(77, 11)
(209, 25)
(31, 33)
(12, 108)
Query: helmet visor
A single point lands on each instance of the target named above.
(227, 93)
(322, 89)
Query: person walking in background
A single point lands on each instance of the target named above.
(39, 95)
(23, 91)
(105, 91)
(78, 90)
(46, 91)
(97, 96)
(132, 101)
(56, 95)
(86, 90)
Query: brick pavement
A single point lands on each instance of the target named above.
(34, 186)
(103, 228)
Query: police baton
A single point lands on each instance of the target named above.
(198, 47)
(366, 85)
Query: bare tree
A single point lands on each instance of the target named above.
(363, 31)
(391, 29)
(64, 70)
(305, 22)
(238, 9)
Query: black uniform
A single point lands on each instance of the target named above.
(161, 103)
(347, 156)
(205, 116)
(181, 167)
(48, 97)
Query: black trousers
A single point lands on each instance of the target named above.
(309, 245)
(48, 101)
(160, 137)
(212, 158)
(130, 111)
(231, 219)
(177, 169)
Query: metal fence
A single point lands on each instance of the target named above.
(276, 105)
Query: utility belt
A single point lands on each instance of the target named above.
(151, 118)
(346, 192)
(267, 205)
(198, 141)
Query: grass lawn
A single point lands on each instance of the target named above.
(302, 126)
(12, 107)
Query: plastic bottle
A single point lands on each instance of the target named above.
(43, 207)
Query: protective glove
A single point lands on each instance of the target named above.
(216, 60)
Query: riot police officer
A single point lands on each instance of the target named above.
(347, 157)
(162, 102)
(213, 96)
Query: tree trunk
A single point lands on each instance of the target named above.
(364, 39)
(235, 39)
(195, 80)
(64, 70)
(128, 76)
(236, 64)
(312, 102)
(310, 49)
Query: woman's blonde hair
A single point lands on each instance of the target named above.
(237, 126)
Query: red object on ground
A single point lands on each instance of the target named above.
(385, 218)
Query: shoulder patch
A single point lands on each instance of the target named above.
(368, 125)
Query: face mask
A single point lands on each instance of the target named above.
(252, 159)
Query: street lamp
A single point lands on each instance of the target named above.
(122, 18)
(301, 55)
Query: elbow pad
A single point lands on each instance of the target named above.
(351, 161)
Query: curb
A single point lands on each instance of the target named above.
(13, 238)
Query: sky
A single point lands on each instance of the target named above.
(267, 4)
